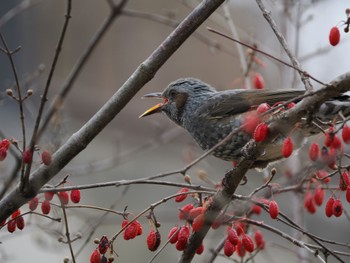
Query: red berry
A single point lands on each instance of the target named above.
(256, 209)
(33, 204)
(198, 223)
(337, 208)
(46, 157)
(240, 228)
(232, 235)
(314, 151)
(258, 81)
(139, 228)
(103, 245)
(329, 207)
(124, 222)
(229, 248)
(173, 235)
(27, 156)
(248, 243)
(329, 137)
(153, 240)
(11, 226)
(261, 131)
(263, 107)
(348, 194)
(95, 257)
(287, 147)
(240, 249)
(323, 174)
(16, 213)
(75, 196)
(180, 198)
(273, 209)
(196, 212)
(131, 231)
(3, 154)
(319, 194)
(48, 195)
(46, 207)
(20, 222)
(200, 250)
(336, 143)
(181, 244)
(184, 211)
(346, 134)
(334, 36)
(5, 143)
(64, 198)
(184, 233)
(344, 181)
(250, 121)
(308, 203)
(259, 239)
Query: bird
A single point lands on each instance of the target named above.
(210, 115)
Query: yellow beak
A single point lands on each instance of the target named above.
(154, 109)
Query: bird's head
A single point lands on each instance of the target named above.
(181, 97)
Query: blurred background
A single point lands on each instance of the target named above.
(132, 148)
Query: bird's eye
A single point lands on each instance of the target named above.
(172, 93)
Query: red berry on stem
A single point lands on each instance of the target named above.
(337, 208)
(11, 226)
(240, 249)
(308, 203)
(196, 212)
(250, 121)
(46, 207)
(5, 143)
(184, 211)
(103, 245)
(248, 243)
(258, 81)
(329, 207)
(314, 151)
(27, 156)
(75, 196)
(95, 257)
(263, 107)
(344, 181)
(48, 195)
(232, 235)
(63, 196)
(173, 235)
(180, 198)
(273, 209)
(319, 194)
(334, 36)
(261, 131)
(200, 250)
(287, 147)
(153, 240)
(229, 248)
(323, 174)
(259, 239)
(256, 209)
(348, 194)
(20, 222)
(198, 222)
(16, 213)
(346, 134)
(33, 204)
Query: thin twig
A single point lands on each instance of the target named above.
(43, 101)
(69, 241)
(284, 44)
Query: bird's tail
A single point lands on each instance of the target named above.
(332, 109)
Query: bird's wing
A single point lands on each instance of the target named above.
(228, 103)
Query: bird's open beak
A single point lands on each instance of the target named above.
(154, 109)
